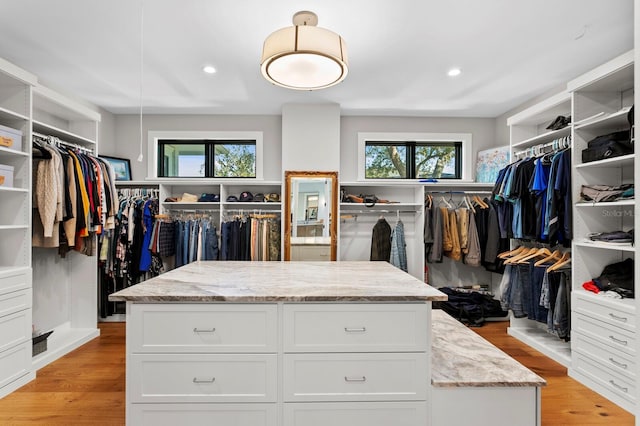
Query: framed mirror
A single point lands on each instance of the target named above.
(310, 215)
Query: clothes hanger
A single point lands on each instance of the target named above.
(442, 200)
(564, 260)
(544, 252)
(556, 255)
(513, 252)
(524, 253)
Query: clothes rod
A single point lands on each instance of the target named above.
(460, 192)
(557, 144)
(352, 212)
(56, 140)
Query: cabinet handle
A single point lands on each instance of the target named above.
(355, 379)
(196, 380)
(622, 388)
(355, 330)
(619, 364)
(622, 342)
(616, 317)
(204, 330)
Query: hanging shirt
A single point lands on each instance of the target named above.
(398, 255)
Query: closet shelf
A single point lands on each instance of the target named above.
(544, 342)
(8, 151)
(179, 204)
(63, 340)
(253, 204)
(65, 135)
(626, 305)
(137, 183)
(381, 206)
(7, 114)
(13, 227)
(605, 246)
(606, 122)
(238, 183)
(623, 160)
(584, 204)
(7, 189)
(543, 138)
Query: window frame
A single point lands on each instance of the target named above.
(466, 150)
(154, 137)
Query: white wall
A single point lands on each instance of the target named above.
(127, 136)
(482, 129)
(107, 133)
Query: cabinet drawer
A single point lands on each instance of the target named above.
(202, 414)
(15, 362)
(15, 329)
(203, 328)
(15, 301)
(356, 327)
(605, 377)
(202, 378)
(606, 310)
(14, 282)
(605, 354)
(615, 337)
(355, 377)
(359, 413)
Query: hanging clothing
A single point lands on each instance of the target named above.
(398, 255)
(381, 241)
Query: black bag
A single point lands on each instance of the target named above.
(617, 277)
(608, 146)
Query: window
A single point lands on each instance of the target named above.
(413, 156)
(207, 158)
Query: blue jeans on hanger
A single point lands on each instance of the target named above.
(179, 231)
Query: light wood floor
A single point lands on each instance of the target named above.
(87, 387)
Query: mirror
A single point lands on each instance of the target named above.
(310, 214)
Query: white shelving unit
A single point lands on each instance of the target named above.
(602, 328)
(15, 226)
(64, 290)
(528, 129)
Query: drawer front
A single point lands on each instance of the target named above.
(358, 413)
(15, 282)
(604, 354)
(356, 327)
(202, 378)
(607, 378)
(15, 301)
(355, 377)
(202, 414)
(15, 363)
(605, 310)
(203, 328)
(15, 329)
(604, 333)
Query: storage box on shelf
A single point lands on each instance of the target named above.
(603, 329)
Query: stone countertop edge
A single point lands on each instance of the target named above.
(462, 358)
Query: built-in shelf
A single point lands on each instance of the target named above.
(11, 189)
(7, 114)
(623, 160)
(541, 340)
(254, 204)
(441, 184)
(13, 227)
(210, 181)
(542, 138)
(63, 340)
(627, 305)
(605, 246)
(137, 183)
(65, 135)
(195, 204)
(8, 151)
(586, 204)
(345, 207)
(605, 122)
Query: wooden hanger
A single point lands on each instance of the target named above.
(480, 202)
(510, 253)
(564, 260)
(521, 255)
(556, 255)
(544, 252)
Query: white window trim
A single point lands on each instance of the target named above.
(465, 138)
(155, 136)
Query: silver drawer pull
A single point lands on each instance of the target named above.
(355, 330)
(355, 379)
(616, 317)
(617, 363)
(196, 380)
(622, 342)
(622, 388)
(204, 330)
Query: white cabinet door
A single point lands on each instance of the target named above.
(15, 329)
(15, 362)
(356, 327)
(356, 414)
(202, 414)
(15, 301)
(355, 377)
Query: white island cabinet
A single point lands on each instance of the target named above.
(279, 343)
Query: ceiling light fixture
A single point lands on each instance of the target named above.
(304, 57)
(209, 69)
(453, 72)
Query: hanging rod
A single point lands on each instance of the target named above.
(557, 145)
(347, 212)
(460, 192)
(56, 140)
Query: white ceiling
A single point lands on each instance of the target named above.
(399, 51)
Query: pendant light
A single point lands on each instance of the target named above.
(304, 57)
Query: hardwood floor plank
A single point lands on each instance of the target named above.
(87, 387)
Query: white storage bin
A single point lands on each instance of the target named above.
(6, 176)
(10, 138)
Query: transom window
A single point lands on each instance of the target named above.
(413, 160)
(207, 158)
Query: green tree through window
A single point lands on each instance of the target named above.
(413, 160)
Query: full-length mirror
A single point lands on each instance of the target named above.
(310, 209)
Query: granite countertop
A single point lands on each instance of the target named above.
(462, 358)
(231, 281)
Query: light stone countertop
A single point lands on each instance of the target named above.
(462, 358)
(243, 282)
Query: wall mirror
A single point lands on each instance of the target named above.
(310, 214)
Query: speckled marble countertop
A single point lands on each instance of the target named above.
(230, 281)
(460, 357)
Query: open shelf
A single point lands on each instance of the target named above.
(181, 205)
(137, 183)
(12, 189)
(605, 122)
(8, 151)
(63, 340)
(605, 246)
(65, 135)
(7, 114)
(544, 342)
(11, 227)
(585, 204)
(543, 138)
(623, 160)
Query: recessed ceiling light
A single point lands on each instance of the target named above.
(209, 69)
(454, 72)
